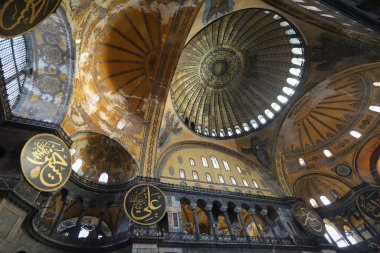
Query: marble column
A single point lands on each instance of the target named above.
(253, 214)
(238, 212)
(196, 225)
(100, 221)
(264, 213)
(225, 214)
(59, 217)
(213, 225)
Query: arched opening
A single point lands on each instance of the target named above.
(103, 179)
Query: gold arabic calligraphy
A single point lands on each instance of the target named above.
(145, 204)
(46, 162)
(33, 9)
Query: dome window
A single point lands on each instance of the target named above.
(377, 84)
(288, 91)
(237, 130)
(313, 203)
(221, 133)
(262, 119)
(269, 114)
(325, 200)
(292, 81)
(297, 50)
(77, 165)
(254, 124)
(246, 127)
(294, 41)
(284, 24)
(103, 178)
(298, 61)
(355, 134)
(301, 161)
(282, 99)
(295, 71)
(205, 131)
(327, 153)
(229, 132)
(290, 32)
(213, 132)
(374, 108)
(275, 107)
(276, 17)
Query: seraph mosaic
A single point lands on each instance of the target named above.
(215, 9)
(46, 94)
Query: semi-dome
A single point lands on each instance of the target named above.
(237, 74)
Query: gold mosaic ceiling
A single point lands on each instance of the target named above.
(236, 74)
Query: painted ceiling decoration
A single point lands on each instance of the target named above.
(251, 59)
(95, 155)
(50, 53)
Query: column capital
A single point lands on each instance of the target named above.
(223, 209)
(208, 208)
(193, 206)
(237, 210)
(252, 211)
(264, 212)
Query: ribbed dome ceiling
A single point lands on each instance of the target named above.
(236, 74)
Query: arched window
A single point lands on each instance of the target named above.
(325, 200)
(195, 175)
(221, 133)
(313, 203)
(254, 124)
(238, 169)
(246, 127)
(245, 182)
(225, 164)
(13, 61)
(229, 132)
(103, 178)
(351, 235)
(233, 181)
(192, 162)
(208, 177)
(214, 162)
(255, 184)
(182, 174)
(335, 194)
(269, 113)
(221, 179)
(204, 161)
(237, 130)
(77, 165)
(335, 234)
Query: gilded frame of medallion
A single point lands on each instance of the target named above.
(52, 11)
(144, 224)
(22, 164)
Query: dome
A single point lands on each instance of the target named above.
(237, 74)
(98, 159)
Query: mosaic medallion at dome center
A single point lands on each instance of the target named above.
(220, 67)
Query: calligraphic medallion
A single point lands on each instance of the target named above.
(309, 219)
(18, 17)
(368, 203)
(145, 204)
(46, 162)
